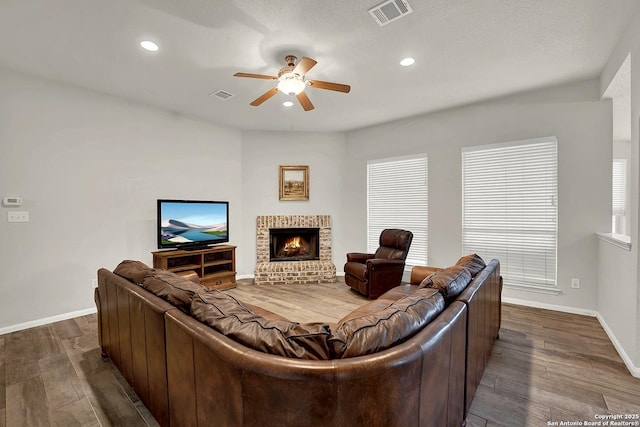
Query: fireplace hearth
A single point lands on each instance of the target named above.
(293, 249)
(294, 244)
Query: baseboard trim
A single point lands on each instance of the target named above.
(46, 320)
(563, 308)
(633, 370)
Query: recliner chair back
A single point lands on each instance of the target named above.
(394, 244)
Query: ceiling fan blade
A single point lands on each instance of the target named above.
(268, 94)
(304, 65)
(304, 101)
(255, 76)
(329, 86)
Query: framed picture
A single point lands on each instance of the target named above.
(294, 182)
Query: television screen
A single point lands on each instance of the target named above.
(189, 224)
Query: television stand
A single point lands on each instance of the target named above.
(193, 247)
(214, 265)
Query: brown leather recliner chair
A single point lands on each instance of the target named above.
(374, 274)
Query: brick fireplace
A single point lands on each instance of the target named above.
(293, 249)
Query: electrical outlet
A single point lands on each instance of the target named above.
(17, 216)
(575, 283)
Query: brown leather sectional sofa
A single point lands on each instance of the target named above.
(401, 360)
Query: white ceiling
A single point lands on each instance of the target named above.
(465, 51)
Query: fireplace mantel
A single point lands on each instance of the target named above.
(286, 272)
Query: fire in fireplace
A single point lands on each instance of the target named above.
(294, 244)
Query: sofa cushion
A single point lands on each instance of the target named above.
(263, 312)
(232, 318)
(473, 262)
(132, 270)
(172, 288)
(382, 324)
(450, 282)
(398, 292)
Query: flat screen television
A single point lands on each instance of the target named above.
(192, 224)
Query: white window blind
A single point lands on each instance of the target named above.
(510, 209)
(397, 198)
(619, 196)
(619, 186)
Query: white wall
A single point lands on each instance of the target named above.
(619, 288)
(572, 113)
(262, 153)
(89, 169)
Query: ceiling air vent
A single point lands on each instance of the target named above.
(221, 94)
(389, 11)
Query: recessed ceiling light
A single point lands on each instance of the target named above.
(287, 103)
(407, 61)
(149, 45)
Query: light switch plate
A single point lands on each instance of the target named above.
(12, 201)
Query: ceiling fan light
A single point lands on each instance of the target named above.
(291, 84)
(287, 104)
(407, 62)
(149, 45)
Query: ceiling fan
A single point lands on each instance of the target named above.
(292, 82)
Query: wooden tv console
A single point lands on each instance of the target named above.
(215, 265)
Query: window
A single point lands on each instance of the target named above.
(510, 209)
(397, 198)
(619, 92)
(619, 196)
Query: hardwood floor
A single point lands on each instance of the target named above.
(552, 366)
(547, 366)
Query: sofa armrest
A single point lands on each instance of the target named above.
(419, 273)
(381, 263)
(384, 274)
(359, 257)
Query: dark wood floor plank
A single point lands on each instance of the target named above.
(562, 415)
(20, 346)
(596, 384)
(544, 357)
(507, 410)
(551, 397)
(3, 378)
(525, 367)
(3, 381)
(625, 384)
(18, 371)
(475, 421)
(61, 384)
(520, 382)
(595, 351)
(111, 404)
(76, 414)
(145, 414)
(27, 404)
(622, 406)
(68, 329)
(46, 342)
